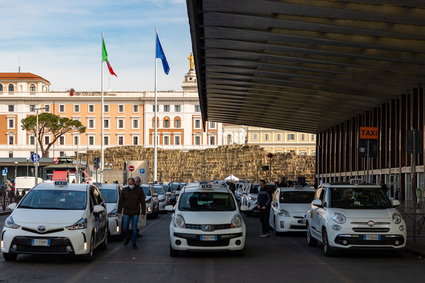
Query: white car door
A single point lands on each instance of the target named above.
(316, 213)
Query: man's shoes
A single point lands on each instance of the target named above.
(126, 242)
(134, 246)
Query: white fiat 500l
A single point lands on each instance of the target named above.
(56, 218)
(354, 216)
(206, 218)
(289, 207)
(111, 194)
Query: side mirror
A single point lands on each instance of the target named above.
(244, 208)
(98, 209)
(169, 208)
(394, 202)
(317, 202)
(12, 206)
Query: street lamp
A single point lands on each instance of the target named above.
(27, 165)
(270, 156)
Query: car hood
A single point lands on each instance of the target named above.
(202, 217)
(367, 214)
(32, 218)
(110, 207)
(295, 207)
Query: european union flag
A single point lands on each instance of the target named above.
(161, 55)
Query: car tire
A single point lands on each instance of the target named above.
(312, 242)
(104, 244)
(90, 255)
(327, 250)
(173, 252)
(10, 256)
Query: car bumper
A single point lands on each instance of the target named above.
(190, 240)
(290, 224)
(114, 226)
(64, 242)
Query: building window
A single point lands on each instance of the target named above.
(135, 140)
(135, 108)
(153, 108)
(11, 88)
(166, 140)
(266, 137)
(212, 125)
(46, 140)
(120, 123)
(278, 137)
(91, 108)
(106, 123)
(313, 137)
(11, 140)
(62, 140)
(166, 122)
(91, 140)
(47, 108)
(197, 140)
(32, 108)
(76, 108)
(177, 140)
(120, 140)
(177, 123)
(75, 140)
(229, 139)
(11, 108)
(106, 140)
(10, 154)
(1, 87)
(212, 140)
(177, 108)
(166, 108)
(11, 123)
(120, 108)
(106, 108)
(91, 124)
(62, 154)
(254, 137)
(197, 124)
(197, 108)
(303, 137)
(291, 137)
(61, 108)
(32, 140)
(135, 123)
(32, 88)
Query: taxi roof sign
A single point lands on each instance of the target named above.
(206, 186)
(61, 183)
(356, 181)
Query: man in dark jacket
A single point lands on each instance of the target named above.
(263, 204)
(132, 202)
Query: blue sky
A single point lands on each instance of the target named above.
(60, 40)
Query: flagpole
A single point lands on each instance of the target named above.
(102, 134)
(155, 155)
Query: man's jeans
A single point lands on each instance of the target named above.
(126, 224)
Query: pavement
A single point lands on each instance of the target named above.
(275, 259)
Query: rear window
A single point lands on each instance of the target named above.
(296, 197)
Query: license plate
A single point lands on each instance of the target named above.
(40, 242)
(371, 237)
(208, 238)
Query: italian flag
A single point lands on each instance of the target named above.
(105, 58)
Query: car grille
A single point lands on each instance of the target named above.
(57, 245)
(385, 241)
(369, 229)
(198, 243)
(38, 232)
(207, 227)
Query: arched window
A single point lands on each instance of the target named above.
(166, 122)
(1, 87)
(177, 122)
(157, 122)
(11, 87)
(32, 87)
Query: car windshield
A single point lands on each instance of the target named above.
(176, 187)
(167, 188)
(359, 198)
(159, 190)
(55, 199)
(110, 196)
(254, 189)
(147, 191)
(296, 197)
(206, 201)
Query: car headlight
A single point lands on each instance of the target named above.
(10, 223)
(397, 218)
(236, 221)
(80, 224)
(179, 221)
(339, 217)
(113, 213)
(284, 212)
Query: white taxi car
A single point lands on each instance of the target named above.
(289, 207)
(206, 218)
(56, 218)
(111, 195)
(354, 216)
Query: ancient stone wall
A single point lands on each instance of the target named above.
(245, 162)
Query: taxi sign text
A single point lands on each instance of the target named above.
(369, 133)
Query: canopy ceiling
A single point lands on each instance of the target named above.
(304, 65)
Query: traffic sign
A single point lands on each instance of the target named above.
(368, 133)
(35, 157)
(142, 171)
(131, 168)
(55, 160)
(4, 172)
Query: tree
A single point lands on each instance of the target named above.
(52, 124)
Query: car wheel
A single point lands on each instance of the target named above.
(312, 242)
(327, 250)
(90, 255)
(104, 245)
(10, 256)
(173, 252)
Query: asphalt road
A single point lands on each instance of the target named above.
(275, 259)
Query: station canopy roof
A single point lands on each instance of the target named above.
(304, 65)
